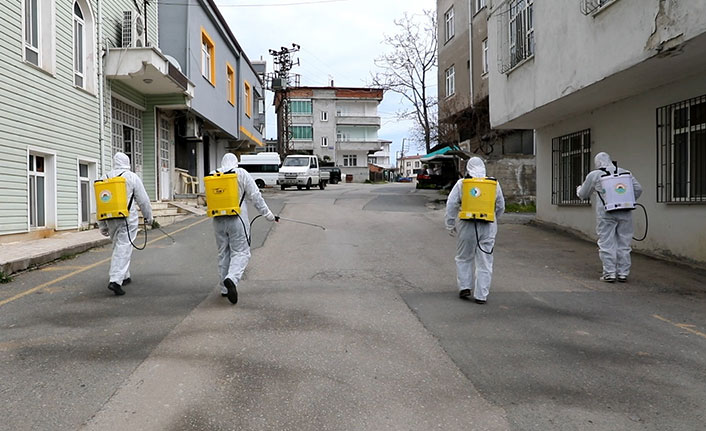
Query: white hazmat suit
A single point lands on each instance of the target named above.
(117, 228)
(474, 268)
(232, 231)
(614, 228)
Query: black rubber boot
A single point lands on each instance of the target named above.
(115, 287)
(232, 291)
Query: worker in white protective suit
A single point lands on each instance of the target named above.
(614, 228)
(232, 232)
(474, 267)
(118, 229)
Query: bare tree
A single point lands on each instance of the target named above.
(408, 69)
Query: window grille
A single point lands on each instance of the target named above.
(571, 162)
(590, 6)
(681, 151)
(515, 34)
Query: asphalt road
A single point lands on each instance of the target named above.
(358, 327)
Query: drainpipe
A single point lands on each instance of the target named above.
(470, 44)
(101, 101)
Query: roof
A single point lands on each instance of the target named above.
(444, 153)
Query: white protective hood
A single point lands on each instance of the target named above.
(475, 167)
(121, 161)
(229, 162)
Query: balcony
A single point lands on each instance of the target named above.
(357, 120)
(358, 145)
(302, 145)
(147, 71)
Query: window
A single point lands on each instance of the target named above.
(450, 81)
(127, 133)
(350, 160)
(37, 191)
(518, 40)
(480, 4)
(302, 133)
(230, 83)
(324, 116)
(84, 193)
(417, 164)
(681, 151)
(485, 55)
(409, 164)
(261, 106)
(31, 31)
(324, 141)
(571, 162)
(301, 107)
(208, 57)
(79, 46)
(373, 160)
(248, 98)
(590, 6)
(449, 24)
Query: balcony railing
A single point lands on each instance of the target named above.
(515, 34)
(590, 6)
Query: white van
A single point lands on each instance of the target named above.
(302, 171)
(263, 167)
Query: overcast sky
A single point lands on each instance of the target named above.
(339, 40)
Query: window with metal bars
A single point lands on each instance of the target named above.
(681, 151)
(571, 162)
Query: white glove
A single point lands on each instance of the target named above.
(451, 230)
(270, 216)
(104, 231)
(578, 190)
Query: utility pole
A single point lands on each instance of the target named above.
(280, 83)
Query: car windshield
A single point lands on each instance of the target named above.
(296, 161)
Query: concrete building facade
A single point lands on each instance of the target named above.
(628, 79)
(464, 66)
(338, 124)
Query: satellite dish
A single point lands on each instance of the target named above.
(173, 61)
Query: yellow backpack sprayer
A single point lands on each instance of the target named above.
(112, 202)
(478, 202)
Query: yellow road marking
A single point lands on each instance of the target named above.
(85, 268)
(683, 326)
(60, 268)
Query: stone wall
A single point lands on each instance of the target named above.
(517, 176)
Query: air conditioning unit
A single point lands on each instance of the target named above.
(279, 84)
(133, 30)
(193, 128)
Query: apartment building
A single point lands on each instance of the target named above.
(338, 124)
(622, 76)
(464, 66)
(227, 111)
(83, 79)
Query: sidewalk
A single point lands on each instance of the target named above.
(20, 255)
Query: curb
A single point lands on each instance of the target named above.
(24, 263)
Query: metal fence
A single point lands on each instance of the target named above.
(571, 162)
(681, 151)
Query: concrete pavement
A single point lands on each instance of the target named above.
(360, 327)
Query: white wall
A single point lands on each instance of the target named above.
(627, 131)
(573, 51)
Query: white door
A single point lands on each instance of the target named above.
(165, 139)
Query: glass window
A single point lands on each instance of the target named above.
(37, 195)
(208, 57)
(324, 141)
(485, 55)
(571, 161)
(31, 31)
(301, 107)
(79, 46)
(324, 116)
(248, 98)
(450, 81)
(230, 83)
(350, 160)
(302, 133)
(449, 24)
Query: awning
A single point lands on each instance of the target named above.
(147, 71)
(446, 153)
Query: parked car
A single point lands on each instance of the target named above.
(263, 167)
(334, 174)
(301, 171)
